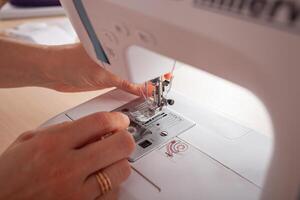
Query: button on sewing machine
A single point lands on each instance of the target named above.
(121, 29)
(145, 37)
(109, 37)
(110, 52)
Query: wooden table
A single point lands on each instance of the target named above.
(26, 108)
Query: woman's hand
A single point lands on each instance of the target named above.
(66, 68)
(70, 69)
(60, 162)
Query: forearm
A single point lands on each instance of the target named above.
(22, 64)
(65, 68)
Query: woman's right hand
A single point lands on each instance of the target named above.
(60, 162)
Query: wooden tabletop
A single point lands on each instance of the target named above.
(24, 109)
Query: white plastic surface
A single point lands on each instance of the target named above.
(141, 60)
(258, 53)
(214, 166)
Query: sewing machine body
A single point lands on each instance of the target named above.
(216, 158)
(139, 40)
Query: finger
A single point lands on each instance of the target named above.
(117, 174)
(103, 153)
(92, 128)
(149, 89)
(21, 138)
(113, 195)
(130, 87)
(136, 89)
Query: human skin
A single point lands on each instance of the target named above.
(65, 68)
(60, 162)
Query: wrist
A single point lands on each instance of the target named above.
(52, 63)
(22, 64)
(48, 64)
(40, 62)
(56, 59)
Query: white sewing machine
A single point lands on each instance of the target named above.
(185, 151)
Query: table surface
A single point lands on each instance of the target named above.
(24, 109)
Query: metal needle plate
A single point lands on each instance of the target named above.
(151, 129)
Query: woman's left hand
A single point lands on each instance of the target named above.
(70, 69)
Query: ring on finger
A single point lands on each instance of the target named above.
(104, 182)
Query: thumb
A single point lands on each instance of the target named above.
(136, 89)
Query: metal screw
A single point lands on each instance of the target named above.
(163, 133)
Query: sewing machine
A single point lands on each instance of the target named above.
(183, 150)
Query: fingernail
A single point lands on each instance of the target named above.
(125, 117)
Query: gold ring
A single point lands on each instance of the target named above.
(104, 182)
